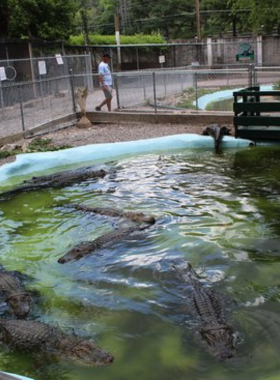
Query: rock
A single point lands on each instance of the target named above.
(84, 122)
(10, 147)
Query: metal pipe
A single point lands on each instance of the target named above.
(21, 107)
(72, 90)
(155, 92)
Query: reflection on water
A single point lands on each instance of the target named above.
(220, 212)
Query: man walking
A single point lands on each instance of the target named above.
(105, 81)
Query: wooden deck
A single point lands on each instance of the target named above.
(257, 114)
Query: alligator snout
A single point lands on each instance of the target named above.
(19, 304)
(62, 260)
(221, 340)
(108, 358)
(76, 253)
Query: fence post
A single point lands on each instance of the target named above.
(1, 99)
(72, 90)
(41, 91)
(143, 80)
(196, 91)
(89, 78)
(155, 92)
(137, 58)
(252, 75)
(116, 83)
(21, 107)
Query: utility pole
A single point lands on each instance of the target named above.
(84, 17)
(118, 39)
(198, 21)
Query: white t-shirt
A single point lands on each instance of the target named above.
(103, 69)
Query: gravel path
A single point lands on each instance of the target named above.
(110, 133)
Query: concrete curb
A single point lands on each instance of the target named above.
(200, 119)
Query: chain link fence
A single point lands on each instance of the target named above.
(42, 68)
(29, 104)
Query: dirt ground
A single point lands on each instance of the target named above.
(109, 133)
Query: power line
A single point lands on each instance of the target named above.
(162, 18)
(144, 20)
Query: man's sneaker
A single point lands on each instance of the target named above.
(97, 109)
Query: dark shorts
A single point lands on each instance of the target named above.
(108, 92)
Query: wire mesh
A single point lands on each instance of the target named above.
(176, 88)
(26, 105)
(31, 69)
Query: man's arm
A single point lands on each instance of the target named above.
(101, 76)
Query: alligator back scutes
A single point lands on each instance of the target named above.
(29, 335)
(9, 284)
(85, 248)
(115, 212)
(207, 303)
(38, 337)
(213, 328)
(67, 175)
(57, 180)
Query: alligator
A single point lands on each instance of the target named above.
(215, 331)
(133, 215)
(11, 291)
(59, 179)
(86, 248)
(217, 132)
(40, 338)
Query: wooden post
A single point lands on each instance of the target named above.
(198, 20)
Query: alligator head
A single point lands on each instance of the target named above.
(184, 270)
(19, 304)
(220, 338)
(217, 132)
(85, 353)
(140, 217)
(77, 252)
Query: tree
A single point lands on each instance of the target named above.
(173, 19)
(258, 16)
(47, 19)
(3, 18)
(217, 17)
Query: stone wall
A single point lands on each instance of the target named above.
(213, 52)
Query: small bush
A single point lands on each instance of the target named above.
(276, 86)
(97, 39)
(44, 145)
(5, 154)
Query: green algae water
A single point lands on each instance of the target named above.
(219, 212)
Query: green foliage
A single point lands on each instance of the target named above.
(7, 153)
(276, 86)
(44, 145)
(36, 145)
(173, 19)
(261, 17)
(95, 39)
(188, 97)
(213, 21)
(47, 19)
(221, 105)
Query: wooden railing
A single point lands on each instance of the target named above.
(257, 114)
